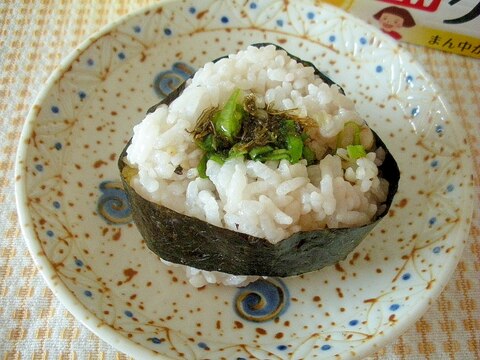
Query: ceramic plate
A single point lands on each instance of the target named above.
(77, 222)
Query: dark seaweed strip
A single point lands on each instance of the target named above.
(189, 241)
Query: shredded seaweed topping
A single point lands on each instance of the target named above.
(241, 128)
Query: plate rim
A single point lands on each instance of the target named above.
(104, 331)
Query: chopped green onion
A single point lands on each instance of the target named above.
(356, 137)
(309, 155)
(235, 152)
(277, 154)
(228, 121)
(294, 147)
(356, 152)
(202, 167)
(292, 140)
(259, 150)
(342, 142)
(217, 158)
(208, 144)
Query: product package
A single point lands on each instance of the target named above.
(448, 25)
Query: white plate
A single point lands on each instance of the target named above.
(76, 221)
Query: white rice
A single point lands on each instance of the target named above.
(270, 200)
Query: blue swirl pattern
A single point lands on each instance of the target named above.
(262, 300)
(113, 205)
(167, 81)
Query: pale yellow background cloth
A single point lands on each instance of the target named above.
(34, 37)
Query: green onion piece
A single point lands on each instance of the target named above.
(235, 152)
(278, 154)
(309, 155)
(202, 167)
(356, 137)
(356, 152)
(259, 150)
(217, 158)
(295, 148)
(208, 144)
(228, 121)
(356, 134)
(292, 140)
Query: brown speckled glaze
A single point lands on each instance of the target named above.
(77, 224)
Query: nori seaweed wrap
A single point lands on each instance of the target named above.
(187, 240)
